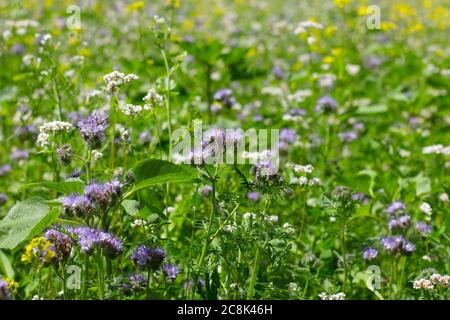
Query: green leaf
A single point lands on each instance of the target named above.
(423, 185)
(131, 207)
(65, 187)
(5, 265)
(380, 108)
(154, 172)
(25, 220)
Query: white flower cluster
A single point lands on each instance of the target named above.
(115, 80)
(20, 27)
(426, 208)
(337, 296)
(436, 149)
(303, 180)
(305, 25)
(151, 99)
(131, 109)
(435, 280)
(51, 128)
(300, 95)
(96, 155)
(138, 223)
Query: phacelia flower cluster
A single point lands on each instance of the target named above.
(93, 128)
(397, 245)
(60, 243)
(148, 258)
(90, 239)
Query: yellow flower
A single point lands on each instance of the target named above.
(362, 10)
(11, 284)
(135, 6)
(342, 3)
(388, 25)
(38, 251)
(330, 31)
(328, 59)
(336, 51)
(416, 27)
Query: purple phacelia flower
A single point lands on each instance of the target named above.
(361, 197)
(423, 228)
(6, 292)
(369, 254)
(91, 239)
(3, 199)
(278, 72)
(93, 128)
(18, 154)
(395, 207)
(104, 195)
(5, 169)
(348, 136)
(61, 243)
(148, 258)
(225, 96)
(253, 196)
(326, 104)
(76, 205)
(401, 222)
(170, 271)
(397, 245)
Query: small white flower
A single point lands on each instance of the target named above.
(443, 197)
(426, 258)
(96, 155)
(423, 284)
(131, 109)
(273, 219)
(426, 208)
(249, 215)
(168, 210)
(303, 169)
(337, 296)
(352, 69)
(234, 286)
(124, 134)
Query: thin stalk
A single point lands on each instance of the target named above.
(211, 216)
(344, 259)
(85, 278)
(100, 275)
(113, 115)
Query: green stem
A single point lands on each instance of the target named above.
(86, 277)
(100, 275)
(113, 115)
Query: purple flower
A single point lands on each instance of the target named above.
(18, 154)
(326, 104)
(369, 254)
(61, 243)
(104, 195)
(93, 128)
(348, 136)
(91, 239)
(207, 189)
(397, 245)
(225, 96)
(25, 132)
(395, 208)
(3, 199)
(5, 169)
(253, 196)
(288, 135)
(6, 292)
(361, 197)
(423, 228)
(278, 72)
(74, 174)
(17, 48)
(170, 271)
(401, 222)
(64, 154)
(144, 137)
(76, 205)
(263, 170)
(133, 284)
(148, 258)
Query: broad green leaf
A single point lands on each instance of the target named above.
(423, 185)
(380, 108)
(25, 220)
(152, 172)
(5, 265)
(372, 174)
(65, 187)
(131, 207)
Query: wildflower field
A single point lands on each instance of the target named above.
(224, 150)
